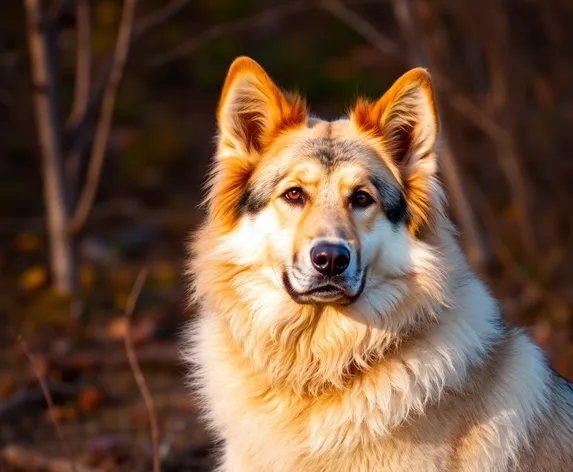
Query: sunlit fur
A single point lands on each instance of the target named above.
(419, 372)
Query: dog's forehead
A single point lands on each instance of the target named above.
(332, 144)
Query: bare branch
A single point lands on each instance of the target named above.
(135, 292)
(82, 92)
(403, 15)
(514, 269)
(158, 17)
(104, 124)
(464, 214)
(140, 29)
(472, 235)
(386, 46)
(104, 94)
(49, 401)
(230, 27)
(83, 62)
(510, 160)
(41, 42)
(137, 374)
(420, 54)
(365, 29)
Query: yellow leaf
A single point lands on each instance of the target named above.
(28, 242)
(117, 328)
(34, 277)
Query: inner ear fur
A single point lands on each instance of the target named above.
(253, 111)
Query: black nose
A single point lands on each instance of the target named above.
(330, 259)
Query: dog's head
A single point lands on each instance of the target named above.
(318, 211)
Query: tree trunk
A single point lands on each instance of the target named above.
(42, 62)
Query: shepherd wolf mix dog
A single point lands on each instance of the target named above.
(340, 327)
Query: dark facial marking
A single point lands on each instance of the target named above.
(331, 152)
(258, 194)
(393, 201)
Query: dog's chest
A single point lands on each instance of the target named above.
(285, 437)
(334, 443)
(278, 431)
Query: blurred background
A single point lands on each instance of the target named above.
(107, 113)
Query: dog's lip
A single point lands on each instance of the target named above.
(325, 293)
(323, 289)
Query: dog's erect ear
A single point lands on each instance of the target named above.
(404, 122)
(405, 118)
(253, 111)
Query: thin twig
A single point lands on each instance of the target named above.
(29, 397)
(135, 292)
(475, 247)
(420, 54)
(159, 17)
(264, 17)
(365, 29)
(137, 374)
(140, 29)
(103, 128)
(83, 62)
(508, 260)
(405, 19)
(82, 91)
(49, 401)
(496, 54)
(386, 46)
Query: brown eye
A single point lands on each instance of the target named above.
(361, 199)
(294, 195)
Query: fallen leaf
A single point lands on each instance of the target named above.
(142, 330)
(90, 398)
(34, 277)
(117, 328)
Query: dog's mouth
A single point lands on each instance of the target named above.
(325, 293)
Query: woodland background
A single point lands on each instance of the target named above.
(106, 122)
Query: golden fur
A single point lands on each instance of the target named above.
(410, 366)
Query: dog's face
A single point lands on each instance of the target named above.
(325, 206)
(321, 210)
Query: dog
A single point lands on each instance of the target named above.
(339, 326)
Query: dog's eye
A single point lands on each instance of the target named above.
(294, 195)
(361, 199)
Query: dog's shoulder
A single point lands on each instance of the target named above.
(551, 444)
